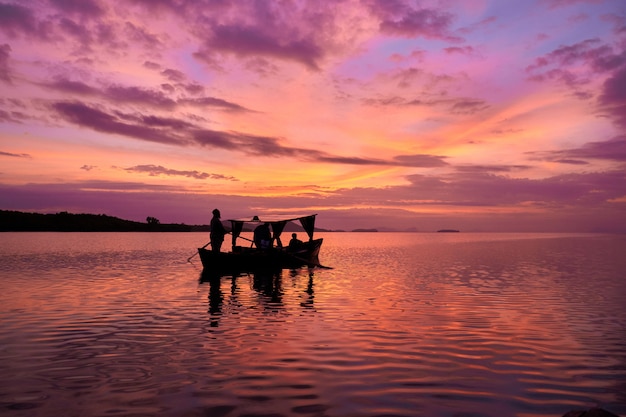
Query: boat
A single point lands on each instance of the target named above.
(250, 258)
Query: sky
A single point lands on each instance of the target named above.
(477, 115)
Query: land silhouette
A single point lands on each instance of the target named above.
(17, 221)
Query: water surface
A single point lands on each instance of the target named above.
(119, 324)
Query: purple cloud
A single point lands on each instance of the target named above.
(17, 20)
(140, 35)
(152, 98)
(613, 150)
(553, 4)
(213, 102)
(491, 190)
(458, 105)
(463, 50)
(152, 65)
(468, 106)
(400, 19)
(426, 161)
(482, 169)
(598, 57)
(83, 8)
(72, 87)
(139, 96)
(13, 116)
(174, 75)
(5, 73)
(254, 41)
(85, 116)
(613, 98)
(15, 155)
(77, 31)
(156, 170)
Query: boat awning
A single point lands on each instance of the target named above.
(277, 224)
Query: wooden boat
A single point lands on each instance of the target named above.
(243, 259)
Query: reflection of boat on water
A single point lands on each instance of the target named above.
(263, 290)
(250, 259)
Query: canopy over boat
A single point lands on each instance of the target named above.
(276, 222)
(249, 259)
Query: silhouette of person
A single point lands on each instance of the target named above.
(295, 243)
(217, 231)
(263, 236)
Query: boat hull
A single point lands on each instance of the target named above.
(244, 260)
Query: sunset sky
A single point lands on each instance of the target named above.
(395, 114)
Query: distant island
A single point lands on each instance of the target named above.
(447, 231)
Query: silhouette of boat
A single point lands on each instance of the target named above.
(243, 259)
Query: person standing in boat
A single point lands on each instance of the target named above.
(218, 231)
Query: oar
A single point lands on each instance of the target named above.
(245, 238)
(189, 259)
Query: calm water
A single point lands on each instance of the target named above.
(99, 324)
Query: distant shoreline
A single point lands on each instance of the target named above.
(16, 221)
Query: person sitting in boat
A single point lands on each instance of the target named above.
(218, 231)
(295, 243)
(263, 236)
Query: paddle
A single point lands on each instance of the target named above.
(189, 259)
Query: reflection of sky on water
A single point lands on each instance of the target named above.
(403, 322)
